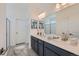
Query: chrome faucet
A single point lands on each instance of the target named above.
(64, 37)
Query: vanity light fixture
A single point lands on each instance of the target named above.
(57, 5)
(63, 4)
(60, 6)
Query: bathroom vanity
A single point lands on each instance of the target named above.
(54, 47)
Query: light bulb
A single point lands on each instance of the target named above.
(63, 3)
(42, 15)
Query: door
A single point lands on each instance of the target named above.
(20, 31)
(7, 33)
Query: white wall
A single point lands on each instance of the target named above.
(68, 20)
(2, 26)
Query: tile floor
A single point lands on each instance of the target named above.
(21, 50)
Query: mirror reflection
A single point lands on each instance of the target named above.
(50, 25)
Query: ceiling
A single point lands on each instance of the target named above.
(38, 8)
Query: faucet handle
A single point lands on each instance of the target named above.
(70, 34)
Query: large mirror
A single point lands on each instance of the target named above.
(50, 24)
(41, 24)
(47, 24)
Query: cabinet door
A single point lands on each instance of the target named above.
(48, 52)
(40, 49)
(36, 47)
(32, 43)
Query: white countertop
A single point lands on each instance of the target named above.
(62, 44)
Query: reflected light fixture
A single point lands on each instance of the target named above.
(42, 15)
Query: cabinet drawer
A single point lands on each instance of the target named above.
(58, 50)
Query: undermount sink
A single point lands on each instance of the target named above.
(73, 41)
(53, 37)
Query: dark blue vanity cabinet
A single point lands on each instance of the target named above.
(40, 48)
(58, 51)
(34, 44)
(43, 48)
(49, 52)
(37, 45)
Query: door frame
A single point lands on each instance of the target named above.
(7, 21)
